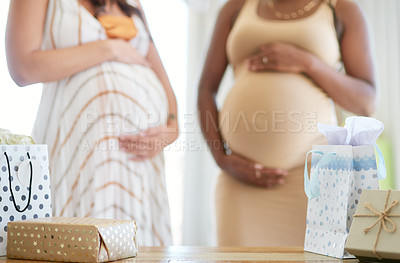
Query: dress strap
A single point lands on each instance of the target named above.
(332, 2)
(80, 22)
(338, 24)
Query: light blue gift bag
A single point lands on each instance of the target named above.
(339, 173)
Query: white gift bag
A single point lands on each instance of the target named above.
(24, 186)
(339, 173)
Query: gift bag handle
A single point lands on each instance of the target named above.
(381, 164)
(30, 184)
(311, 184)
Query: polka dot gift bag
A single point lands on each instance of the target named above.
(339, 173)
(24, 182)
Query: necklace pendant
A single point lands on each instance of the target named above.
(309, 6)
(278, 15)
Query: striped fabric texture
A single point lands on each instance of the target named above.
(81, 117)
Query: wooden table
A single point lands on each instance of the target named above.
(221, 254)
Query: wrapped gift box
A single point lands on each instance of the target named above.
(71, 239)
(375, 233)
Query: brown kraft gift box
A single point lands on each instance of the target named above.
(71, 239)
(375, 234)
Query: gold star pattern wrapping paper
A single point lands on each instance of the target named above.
(72, 239)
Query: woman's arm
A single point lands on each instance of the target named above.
(355, 91)
(213, 71)
(151, 142)
(156, 64)
(28, 64)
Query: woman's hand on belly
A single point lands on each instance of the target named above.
(250, 172)
(279, 56)
(122, 51)
(149, 143)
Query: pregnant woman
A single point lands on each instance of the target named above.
(285, 55)
(107, 108)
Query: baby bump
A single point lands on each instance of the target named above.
(272, 117)
(108, 100)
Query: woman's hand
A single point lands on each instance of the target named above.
(280, 56)
(250, 172)
(147, 144)
(122, 51)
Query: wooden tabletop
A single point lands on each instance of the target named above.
(221, 254)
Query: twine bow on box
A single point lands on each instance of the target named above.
(383, 217)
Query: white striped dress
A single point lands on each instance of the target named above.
(81, 117)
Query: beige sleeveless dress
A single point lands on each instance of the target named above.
(270, 118)
(81, 117)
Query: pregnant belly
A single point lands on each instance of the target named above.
(272, 118)
(118, 98)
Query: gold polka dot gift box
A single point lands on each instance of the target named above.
(72, 239)
(375, 234)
